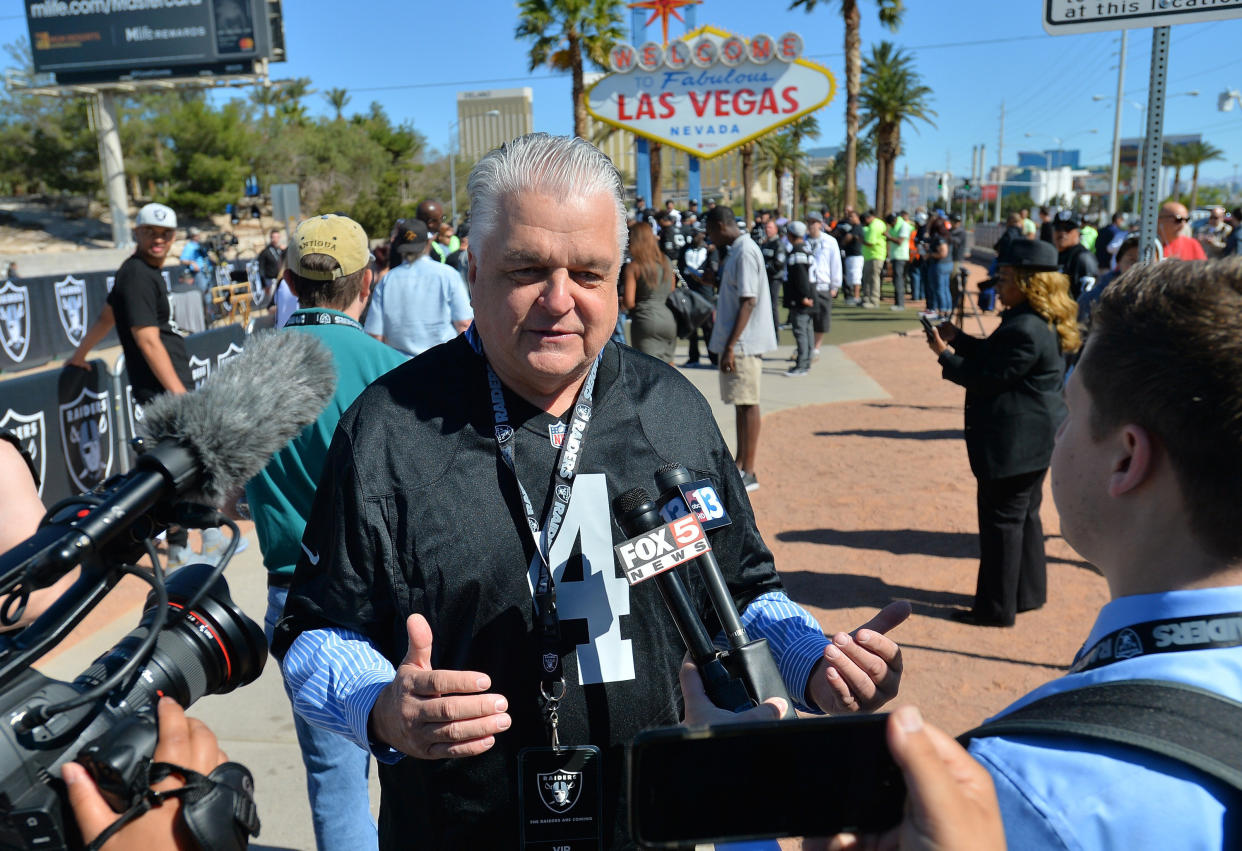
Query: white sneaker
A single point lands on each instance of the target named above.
(178, 557)
(214, 542)
(796, 373)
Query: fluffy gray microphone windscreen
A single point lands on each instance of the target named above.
(249, 408)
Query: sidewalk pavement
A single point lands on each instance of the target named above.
(254, 724)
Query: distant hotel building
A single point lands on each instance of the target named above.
(488, 119)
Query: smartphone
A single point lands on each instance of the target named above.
(763, 780)
(928, 327)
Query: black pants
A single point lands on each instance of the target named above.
(1012, 568)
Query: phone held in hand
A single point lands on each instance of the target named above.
(763, 780)
(928, 327)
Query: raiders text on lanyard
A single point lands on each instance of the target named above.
(1208, 632)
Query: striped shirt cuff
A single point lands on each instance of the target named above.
(795, 638)
(334, 677)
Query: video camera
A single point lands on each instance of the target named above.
(199, 448)
(219, 243)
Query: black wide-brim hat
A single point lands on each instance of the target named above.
(1031, 254)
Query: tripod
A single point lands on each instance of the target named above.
(959, 303)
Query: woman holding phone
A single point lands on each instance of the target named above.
(1014, 404)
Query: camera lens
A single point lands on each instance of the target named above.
(212, 649)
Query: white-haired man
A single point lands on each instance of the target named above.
(458, 600)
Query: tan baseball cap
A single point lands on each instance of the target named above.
(339, 237)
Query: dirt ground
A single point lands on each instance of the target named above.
(864, 503)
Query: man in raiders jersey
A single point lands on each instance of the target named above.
(464, 486)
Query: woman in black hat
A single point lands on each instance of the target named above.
(1014, 404)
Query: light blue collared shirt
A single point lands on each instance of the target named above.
(1077, 794)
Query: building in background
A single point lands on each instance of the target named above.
(487, 119)
(1050, 158)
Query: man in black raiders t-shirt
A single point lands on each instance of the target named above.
(155, 354)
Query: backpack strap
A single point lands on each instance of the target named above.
(1178, 721)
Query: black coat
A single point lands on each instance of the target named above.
(1014, 402)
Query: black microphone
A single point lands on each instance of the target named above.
(636, 514)
(751, 660)
(198, 447)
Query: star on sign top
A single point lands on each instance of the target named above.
(662, 9)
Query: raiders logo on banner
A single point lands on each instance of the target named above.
(231, 352)
(86, 438)
(71, 307)
(200, 370)
(14, 321)
(30, 430)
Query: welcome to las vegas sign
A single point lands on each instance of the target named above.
(710, 92)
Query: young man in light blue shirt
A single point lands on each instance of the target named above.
(1147, 477)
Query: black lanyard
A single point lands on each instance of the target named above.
(1171, 635)
(321, 317)
(551, 675)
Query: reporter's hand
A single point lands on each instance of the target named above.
(950, 800)
(185, 742)
(701, 710)
(947, 331)
(433, 714)
(860, 671)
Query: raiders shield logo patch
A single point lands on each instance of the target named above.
(30, 430)
(71, 307)
(86, 438)
(200, 370)
(14, 321)
(559, 789)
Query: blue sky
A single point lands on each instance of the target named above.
(415, 57)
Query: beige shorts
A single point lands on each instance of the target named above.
(741, 387)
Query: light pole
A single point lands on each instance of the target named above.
(491, 113)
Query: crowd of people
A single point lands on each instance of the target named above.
(472, 666)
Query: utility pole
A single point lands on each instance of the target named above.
(1121, 89)
(1000, 159)
(112, 164)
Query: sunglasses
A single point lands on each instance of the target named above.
(1178, 219)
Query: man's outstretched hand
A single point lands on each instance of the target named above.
(433, 714)
(860, 671)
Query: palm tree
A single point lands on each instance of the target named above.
(890, 12)
(265, 97)
(1196, 154)
(805, 127)
(892, 94)
(833, 174)
(564, 31)
(1174, 157)
(747, 153)
(779, 152)
(655, 151)
(338, 99)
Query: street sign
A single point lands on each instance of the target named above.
(711, 92)
(1064, 17)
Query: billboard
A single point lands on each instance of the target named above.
(710, 92)
(83, 41)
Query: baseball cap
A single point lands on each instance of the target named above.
(339, 237)
(1065, 220)
(813, 216)
(156, 216)
(412, 236)
(797, 229)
